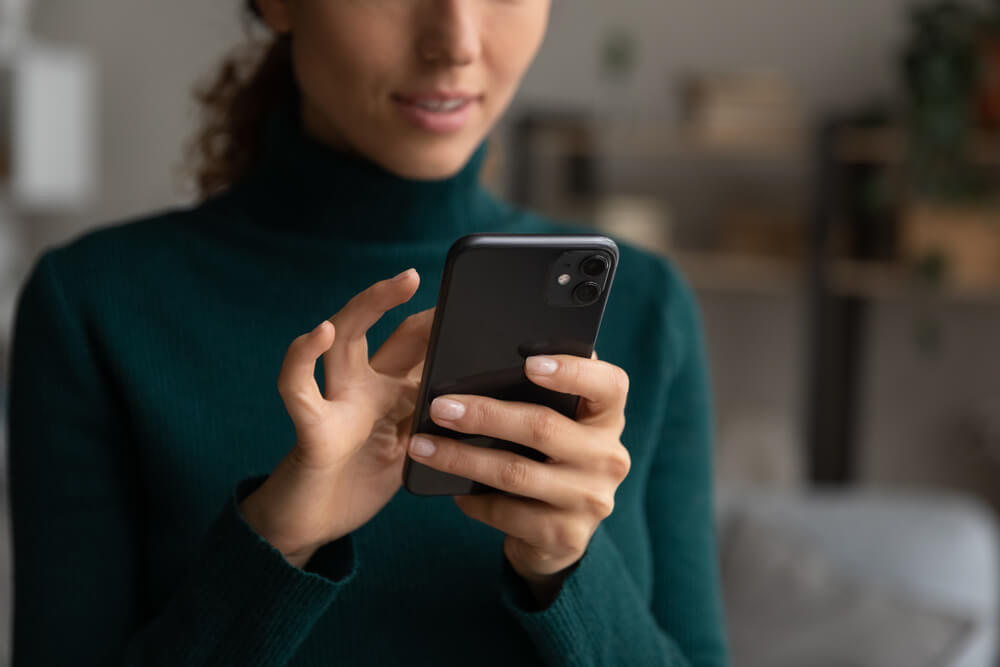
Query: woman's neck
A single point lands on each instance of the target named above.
(303, 184)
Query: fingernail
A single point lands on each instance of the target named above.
(320, 326)
(402, 275)
(445, 408)
(421, 446)
(541, 365)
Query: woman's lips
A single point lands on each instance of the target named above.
(439, 122)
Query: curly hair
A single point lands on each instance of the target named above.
(234, 102)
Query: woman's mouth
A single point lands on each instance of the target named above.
(441, 113)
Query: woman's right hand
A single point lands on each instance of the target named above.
(351, 442)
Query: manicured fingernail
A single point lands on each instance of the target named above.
(445, 408)
(421, 446)
(402, 275)
(541, 365)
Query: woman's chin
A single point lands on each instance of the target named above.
(429, 163)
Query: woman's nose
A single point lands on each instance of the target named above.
(450, 33)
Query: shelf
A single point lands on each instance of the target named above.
(741, 274)
(647, 140)
(721, 272)
(881, 281)
(888, 146)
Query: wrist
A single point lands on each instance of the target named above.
(545, 589)
(254, 509)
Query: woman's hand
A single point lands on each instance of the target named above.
(351, 439)
(561, 500)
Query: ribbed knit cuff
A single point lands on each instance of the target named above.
(272, 605)
(334, 561)
(560, 630)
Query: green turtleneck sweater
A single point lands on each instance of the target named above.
(143, 407)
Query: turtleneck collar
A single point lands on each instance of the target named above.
(302, 184)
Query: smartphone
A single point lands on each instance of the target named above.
(503, 298)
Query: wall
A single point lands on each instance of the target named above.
(150, 54)
(835, 52)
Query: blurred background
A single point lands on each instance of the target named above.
(825, 174)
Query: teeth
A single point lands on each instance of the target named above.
(439, 105)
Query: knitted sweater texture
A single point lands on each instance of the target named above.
(143, 407)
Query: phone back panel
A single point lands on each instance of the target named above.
(501, 301)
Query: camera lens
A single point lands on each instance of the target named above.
(587, 293)
(594, 265)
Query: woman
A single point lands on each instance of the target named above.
(172, 506)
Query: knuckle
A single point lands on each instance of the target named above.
(354, 302)
(455, 459)
(569, 535)
(287, 387)
(296, 397)
(303, 410)
(361, 301)
(549, 533)
(620, 380)
(513, 474)
(599, 505)
(619, 463)
(543, 428)
(480, 412)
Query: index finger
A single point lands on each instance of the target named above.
(348, 358)
(368, 306)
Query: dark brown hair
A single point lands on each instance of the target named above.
(233, 104)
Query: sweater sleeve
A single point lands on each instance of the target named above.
(77, 527)
(599, 616)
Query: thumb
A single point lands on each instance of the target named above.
(297, 378)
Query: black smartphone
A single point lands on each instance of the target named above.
(503, 298)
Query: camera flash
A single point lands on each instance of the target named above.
(564, 279)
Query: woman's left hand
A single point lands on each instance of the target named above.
(559, 502)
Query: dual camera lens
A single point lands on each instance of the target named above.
(594, 266)
(589, 292)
